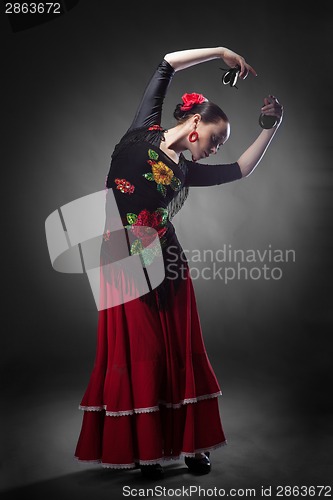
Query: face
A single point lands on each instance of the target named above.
(211, 136)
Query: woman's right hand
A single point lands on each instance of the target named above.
(232, 59)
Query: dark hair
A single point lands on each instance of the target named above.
(209, 111)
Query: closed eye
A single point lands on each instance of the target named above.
(215, 141)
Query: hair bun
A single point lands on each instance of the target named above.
(178, 113)
(210, 112)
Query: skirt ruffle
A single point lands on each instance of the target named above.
(152, 394)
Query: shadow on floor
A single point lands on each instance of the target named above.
(228, 473)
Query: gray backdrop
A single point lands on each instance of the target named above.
(70, 88)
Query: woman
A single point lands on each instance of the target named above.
(152, 394)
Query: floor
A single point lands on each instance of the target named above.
(269, 446)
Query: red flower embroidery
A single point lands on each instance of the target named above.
(144, 220)
(124, 186)
(190, 100)
(140, 225)
(150, 219)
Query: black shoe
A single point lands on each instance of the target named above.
(199, 465)
(154, 471)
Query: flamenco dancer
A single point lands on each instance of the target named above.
(152, 393)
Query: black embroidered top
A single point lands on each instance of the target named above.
(149, 187)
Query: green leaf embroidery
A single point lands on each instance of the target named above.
(136, 247)
(175, 183)
(148, 255)
(162, 189)
(164, 212)
(131, 218)
(152, 154)
(149, 176)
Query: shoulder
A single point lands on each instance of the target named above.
(152, 134)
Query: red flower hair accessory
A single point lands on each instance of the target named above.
(190, 100)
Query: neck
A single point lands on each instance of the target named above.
(175, 140)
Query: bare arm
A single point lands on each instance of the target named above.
(252, 156)
(183, 59)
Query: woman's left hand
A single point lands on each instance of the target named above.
(273, 107)
(232, 59)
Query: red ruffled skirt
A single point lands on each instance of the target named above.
(152, 394)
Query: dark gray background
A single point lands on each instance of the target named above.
(69, 91)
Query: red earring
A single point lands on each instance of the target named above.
(193, 137)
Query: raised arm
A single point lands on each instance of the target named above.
(252, 156)
(150, 108)
(149, 111)
(186, 58)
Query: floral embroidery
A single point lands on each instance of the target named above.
(140, 226)
(124, 186)
(161, 174)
